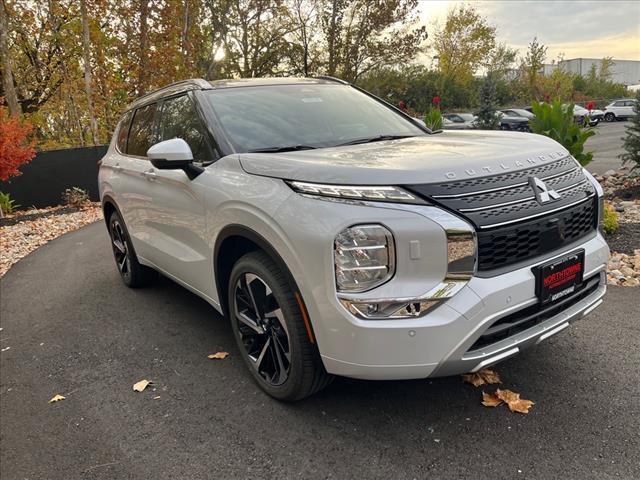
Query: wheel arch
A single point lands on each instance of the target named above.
(232, 242)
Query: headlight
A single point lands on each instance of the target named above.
(364, 257)
(380, 194)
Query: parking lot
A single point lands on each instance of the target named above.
(606, 145)
(70, 327)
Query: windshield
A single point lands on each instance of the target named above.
(303, 116)
(522, 113)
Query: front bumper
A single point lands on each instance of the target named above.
(441, 343)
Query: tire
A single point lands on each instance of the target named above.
(132, 273)
(609, 117)
(270, 330)
(594, 123)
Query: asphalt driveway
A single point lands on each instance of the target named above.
(69, 326)
(606, 145)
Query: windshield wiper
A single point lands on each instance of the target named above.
(288, 148)
(379, 138)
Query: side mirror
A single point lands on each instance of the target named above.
(174, 154)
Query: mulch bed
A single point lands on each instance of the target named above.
(626, 239)
(43, 213)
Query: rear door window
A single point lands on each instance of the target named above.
(180, 119)
(123, 132)
(141, 134)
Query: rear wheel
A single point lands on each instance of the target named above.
(609, 117)
(270, 330)
(132, 273)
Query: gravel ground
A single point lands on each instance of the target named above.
(22, 233)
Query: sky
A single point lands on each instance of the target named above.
(575, 28)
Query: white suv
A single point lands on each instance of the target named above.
(341, 237)
(620, 110)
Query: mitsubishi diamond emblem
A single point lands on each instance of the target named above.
(543, 193)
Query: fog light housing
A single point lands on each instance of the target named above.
(385, 310)
(364, 258)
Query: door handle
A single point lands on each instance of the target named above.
(150, 175)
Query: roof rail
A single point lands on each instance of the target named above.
(332, 79)
(175, 87)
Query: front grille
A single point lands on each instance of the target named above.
(514, 243)
(526, 318)
(511, 224)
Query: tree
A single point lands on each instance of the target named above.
(86, 54)
(15, 146)
(7, 68)
(363, 35)
(487, 114)
(632, 138)
(466, 43)
(532, 66)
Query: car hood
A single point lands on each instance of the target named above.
(450, 155)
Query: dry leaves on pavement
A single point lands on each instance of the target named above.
(486, 375)
(56, 398)
(511, 399)
(490, 399)
(141, 385)
(218, 355)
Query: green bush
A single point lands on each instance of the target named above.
(610, 219)
(7, 205)
(556, 121)
(632, 138)
(433, 119)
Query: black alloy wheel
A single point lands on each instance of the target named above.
(272, 329)
(262, 329)
(132, 273)
(120, 250)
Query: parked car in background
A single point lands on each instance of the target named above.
(518, 112)
(341, 237)
(459, 121)
(594, 116)
(619, 109)
(514, 123)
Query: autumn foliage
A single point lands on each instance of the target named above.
(16, 146)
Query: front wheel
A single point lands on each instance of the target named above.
(609, 117)
(271, 331)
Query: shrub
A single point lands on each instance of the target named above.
(610, 219)
(75, 197)
(487, 115)
(433, 119)
(632, 138)
(7, 205)
(556, 121)
(15, 146)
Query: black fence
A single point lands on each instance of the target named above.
(48, 175)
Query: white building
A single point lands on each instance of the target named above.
(626, 72)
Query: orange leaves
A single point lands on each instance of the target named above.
(490, 400)
(508, 397)
(141, 385)
(218, 355)
(57, 398)
(486, 375)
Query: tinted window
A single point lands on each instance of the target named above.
(180, 120)
(123, 131)
(618, 104)
(141, 132)
(630, 103)
(317, 115)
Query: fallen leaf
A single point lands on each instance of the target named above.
(513, 400)
(507, 395)
(141, 385)
(490, 400)
(485, 375)
(218, 355)
(521, 406)
(56, 398)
